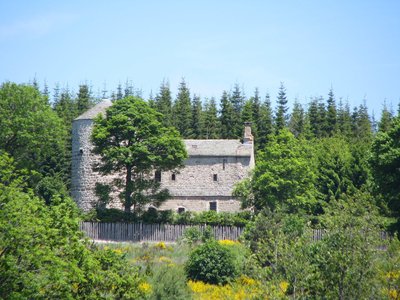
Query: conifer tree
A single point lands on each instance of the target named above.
(256, 113)
(65, 107)
(151, 101)
(119, 94)
(247, 112)
(210, 123)
(322, 118)
(313, 117)
(385, 122)
(129, 90)
(183, 111)
(331, 117)
(264, 123)
(196, 117)
(344, 118)
(46, 92)
(56, 95)
(362, 123)
(227, 117)
(163, 102)
(374, 124)
(237, 99)
(296, 122)
(281, 112)
(84, 99)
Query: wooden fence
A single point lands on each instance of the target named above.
(138, 232)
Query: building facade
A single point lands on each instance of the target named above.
(206, 182)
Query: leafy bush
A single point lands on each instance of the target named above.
(169, 282)
(170, 217)
(211, 263)
(109, 215)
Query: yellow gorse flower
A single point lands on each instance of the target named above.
(160, 245)
(145, 288)
(393, 275)
(228, 242)
(283, 285)
(238, 290)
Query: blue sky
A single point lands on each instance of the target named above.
(353, 46)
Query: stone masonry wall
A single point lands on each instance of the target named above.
(83, 178)
(194, 186)
(207, 176)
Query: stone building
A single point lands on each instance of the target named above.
(205, 183)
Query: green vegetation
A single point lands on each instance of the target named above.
(323, 166)
(211, 263)
(131, 139)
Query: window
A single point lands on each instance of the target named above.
(152, 210)
(157, 176)
(213, 205)
(181, 210)
(215, 177)
(173, 176)
(223, 163)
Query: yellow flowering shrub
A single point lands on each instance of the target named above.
(392, 289)
(228, 242)
(160, 245)
(145, 288)
(244, 288)
(283, 285)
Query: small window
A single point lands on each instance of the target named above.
(181, 210)
(157, 176)
(215, 177)
(223, 163)
(173, 176)
(152, 209)
(213, 205)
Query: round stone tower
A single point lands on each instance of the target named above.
(83, 179)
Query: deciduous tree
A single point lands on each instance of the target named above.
(131, 139)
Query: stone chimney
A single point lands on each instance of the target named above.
(248, 137)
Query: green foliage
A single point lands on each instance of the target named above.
(342, 265)
(182, 111)
(296, 122)
(265, 125)
(237, 99)
(335, 163)
(331, 117)
(283, 177)
(196, 118)
(211, 263)
(210, 124)
(163, 103)
(385, 163)
(191, 236)
(131, 139)
(169, 217)
(169, 282)
(43, 254)
(346, 256)
(31, 132)
(84, 99)
(281, 117)
(119, 280)
(227, 117)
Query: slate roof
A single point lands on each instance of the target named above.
(218, 148)
(99, 108)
